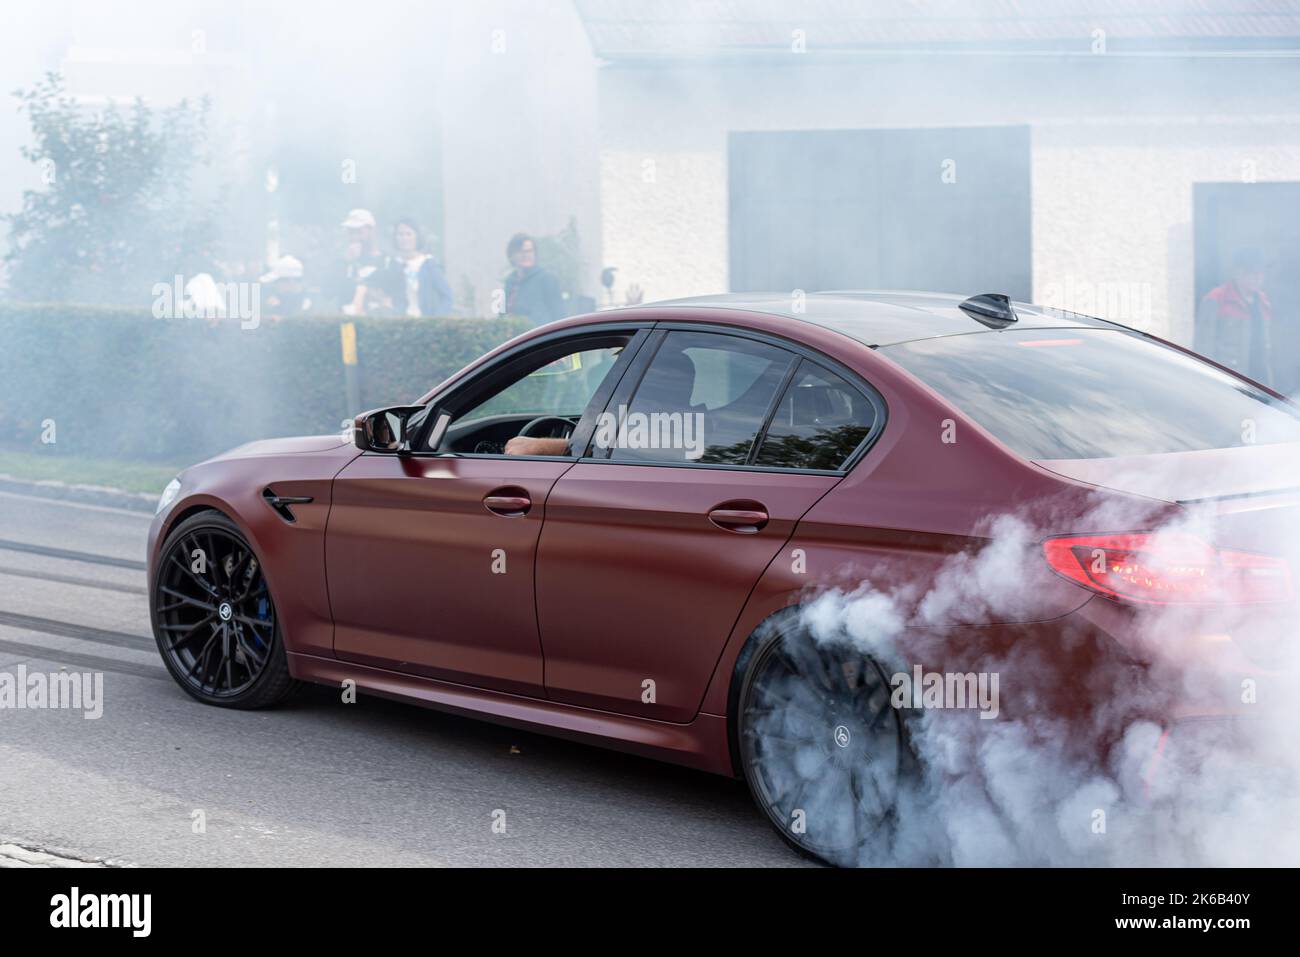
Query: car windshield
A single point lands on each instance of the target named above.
(1094, 393)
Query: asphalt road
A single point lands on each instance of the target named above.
(314, 781)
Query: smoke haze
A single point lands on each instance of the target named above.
(1074, 770)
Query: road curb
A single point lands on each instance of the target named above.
(26, 855)
(85, 494)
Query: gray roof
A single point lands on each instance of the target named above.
(881, 318)
(629, 29)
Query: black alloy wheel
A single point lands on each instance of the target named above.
(214, 619)
(821, 747)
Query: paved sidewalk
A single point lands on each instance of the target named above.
(87, 494)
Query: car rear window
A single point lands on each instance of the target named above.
(818, 424)
(1094, 393)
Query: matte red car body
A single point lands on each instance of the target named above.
(617, 574)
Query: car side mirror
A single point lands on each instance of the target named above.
(383, 430)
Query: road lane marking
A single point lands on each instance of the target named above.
(71, 555)
(67, 629)
(94, 662)
(73, 580)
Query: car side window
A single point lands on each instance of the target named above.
(820, 421)
(562, 387)
(703, 399)
(548, 390)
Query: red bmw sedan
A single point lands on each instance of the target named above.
(752, 535)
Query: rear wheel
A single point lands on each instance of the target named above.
(213, 616)
(820, 746)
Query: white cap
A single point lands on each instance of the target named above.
(359, 218)
(201, 291)
(286, 267)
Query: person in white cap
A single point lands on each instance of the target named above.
(361, 257)
(286, 295)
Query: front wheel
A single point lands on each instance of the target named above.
(213, 617)
(821, 747)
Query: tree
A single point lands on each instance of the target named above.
(118, 209)
(561, 254)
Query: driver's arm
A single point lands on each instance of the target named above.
(527, 445)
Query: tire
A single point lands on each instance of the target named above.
(820, 746)
(213, 617)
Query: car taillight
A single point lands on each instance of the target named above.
(1168, 568)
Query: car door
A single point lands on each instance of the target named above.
(650, 551)
(430, 555)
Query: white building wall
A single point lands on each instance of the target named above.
(664, 221)
(1112, 208)
(1115, 149)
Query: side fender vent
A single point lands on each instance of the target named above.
(280, 503)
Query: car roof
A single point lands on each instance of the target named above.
(882, 318)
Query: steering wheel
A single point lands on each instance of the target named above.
(536, 424)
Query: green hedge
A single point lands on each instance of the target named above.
(125, 386)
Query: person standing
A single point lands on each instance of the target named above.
(361, 257)
(286, 295)
(531, 290)
(1234, 320)
(424, 288)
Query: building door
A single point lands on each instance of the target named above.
(1257, 221)
(943, 210)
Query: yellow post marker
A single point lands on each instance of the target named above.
(348, 335)
(351, 380)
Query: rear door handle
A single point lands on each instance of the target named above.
(746, 521)
(508, 501)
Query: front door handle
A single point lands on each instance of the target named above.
(508, 501)
(745, 518)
